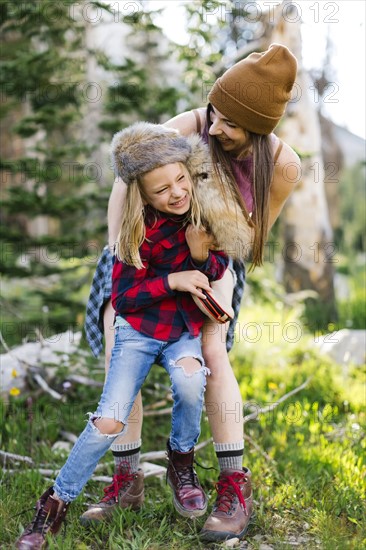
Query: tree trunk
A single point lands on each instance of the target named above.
(333, 164)
(309, 251)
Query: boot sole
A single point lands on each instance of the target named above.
(94, 521)
(187, 513)
(222, 536)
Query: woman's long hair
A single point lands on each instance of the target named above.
(132, 231)
(263, 165)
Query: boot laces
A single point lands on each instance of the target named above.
(42, 521)
(228, 488)
(186, 476)
(119, 481)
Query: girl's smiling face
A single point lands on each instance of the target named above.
(232, 138)
(168, 189)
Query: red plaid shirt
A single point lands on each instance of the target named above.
(143, 296)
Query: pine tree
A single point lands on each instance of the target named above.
(142, 89)
(48, 187)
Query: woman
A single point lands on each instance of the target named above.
(245, 105)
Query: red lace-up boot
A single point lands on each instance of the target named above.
(189, 498)
(126, 490)
(50, 513)
(233, 507)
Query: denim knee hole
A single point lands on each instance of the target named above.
(206, 371)
(93, 417)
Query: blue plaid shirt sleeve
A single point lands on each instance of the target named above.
(239, 268)
(100, 293)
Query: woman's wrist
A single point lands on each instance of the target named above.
(200, 259)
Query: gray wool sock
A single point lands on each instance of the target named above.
(127, 453)
(230, 455)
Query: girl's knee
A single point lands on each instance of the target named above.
(190, 365)
(189, 379)
(108, 426)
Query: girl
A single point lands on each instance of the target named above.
(162, 258)
(245, 105)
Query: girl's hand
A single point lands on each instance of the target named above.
(189, 281)
(199, 242)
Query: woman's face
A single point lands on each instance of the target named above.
(168, 188)
(232, 138)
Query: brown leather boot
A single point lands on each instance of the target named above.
(126, 490)
(233, 507)
(189, 498)
(49, 516)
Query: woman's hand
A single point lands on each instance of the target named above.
(199, 242)
(189, 281)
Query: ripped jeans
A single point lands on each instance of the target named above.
(133, 355)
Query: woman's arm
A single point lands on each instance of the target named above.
(186, 122)
(115, 206)
(287, 173)
(210, 262)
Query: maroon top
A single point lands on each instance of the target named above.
(243, 172)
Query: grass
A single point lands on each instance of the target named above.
(309, 491)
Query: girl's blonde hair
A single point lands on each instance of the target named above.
(132, 231)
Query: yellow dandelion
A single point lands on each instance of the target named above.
(14, 391)
(14, 373)
(272, 386)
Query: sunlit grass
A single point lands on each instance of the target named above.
(308, 469)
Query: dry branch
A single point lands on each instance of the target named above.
(156, 405)
(159, 412)
(68, 436)
(257, 448)
(274, 405)
(153, 455)
(45, 387)
(6, 347)
(153, 469)
(16, 458)
(84, 380)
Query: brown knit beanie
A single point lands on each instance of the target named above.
(254, 92)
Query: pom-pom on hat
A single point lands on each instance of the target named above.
(142, 147)
(254, 92)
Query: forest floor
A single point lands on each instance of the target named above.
(306, 455)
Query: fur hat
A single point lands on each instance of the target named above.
(143, 147)
(254, 92)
